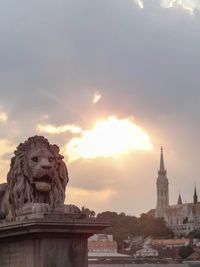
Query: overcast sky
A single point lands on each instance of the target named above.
(69, 63)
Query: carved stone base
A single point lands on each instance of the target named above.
(47, 241)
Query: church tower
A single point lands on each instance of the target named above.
(195, 197)
(179, 200)
(162, 189)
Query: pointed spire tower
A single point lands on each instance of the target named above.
(179, 200)
(195, 197)
(162, 189)
(162, 171)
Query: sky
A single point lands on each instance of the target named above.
(110, 82)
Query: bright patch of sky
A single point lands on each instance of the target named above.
(52, 129)
(189, 6)
(186, 5)
(140, 3)
(97, 97)
(109, 137)
(3, 117)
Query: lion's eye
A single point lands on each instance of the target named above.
(35, 159)
(51, 159)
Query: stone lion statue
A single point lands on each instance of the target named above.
(36, 180)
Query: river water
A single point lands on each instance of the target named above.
(191, 264)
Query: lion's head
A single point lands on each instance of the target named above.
(37, 174)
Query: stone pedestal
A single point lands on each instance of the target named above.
(47, 240)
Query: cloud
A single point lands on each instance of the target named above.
(140, 3)
(96, 98)
(109, 137)
(51, 129)
(145, 64)
(82, 197)
(3, 117)
(186, 5)
(123, 175)
(6, 148)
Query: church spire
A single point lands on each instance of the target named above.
(179, 199)
(162, 189)
(195, 197)
(162, 170)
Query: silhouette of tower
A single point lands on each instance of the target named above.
(162, 189)
(195, 197)
(179, 200)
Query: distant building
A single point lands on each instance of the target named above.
(102, 243)
(102, 248)
(181, 218)
(171, 243)
(132, 242)
(147, 251)
(194, 256)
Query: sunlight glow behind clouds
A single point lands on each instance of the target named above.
(3, 117)
(96, 98)
(140, 3)
(109, 137)
(6, 147)
(51, 129)
(83, 197)
(187, 5)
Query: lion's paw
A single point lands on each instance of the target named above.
(67, 209)
(71, 209)
(31, 208)
(41, 208)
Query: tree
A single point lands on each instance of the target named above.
(155, 227)
(89, 213)
(185, 251)
(195, 234)
(124, 226)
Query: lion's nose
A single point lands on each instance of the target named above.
(46, 167)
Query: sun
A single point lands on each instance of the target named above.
(108, 137)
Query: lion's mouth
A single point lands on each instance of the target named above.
(43, 184)
(45, 179)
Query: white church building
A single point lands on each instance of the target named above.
(181, 218)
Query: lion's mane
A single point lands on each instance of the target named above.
(20, 190)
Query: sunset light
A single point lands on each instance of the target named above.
(140, 3)
(51, 129)
(108, 137)
(3, 117)
(99, 133)
(96, 98)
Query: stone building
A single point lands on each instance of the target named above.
(102, 243)
(147, 251)
(182, 218)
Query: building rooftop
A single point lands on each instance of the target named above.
(170, 242)
(105, 254)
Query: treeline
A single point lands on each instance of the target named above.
(124, 226)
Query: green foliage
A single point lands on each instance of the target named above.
(195, 234)
(185, 251)
(89, 213)
(124, 226)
